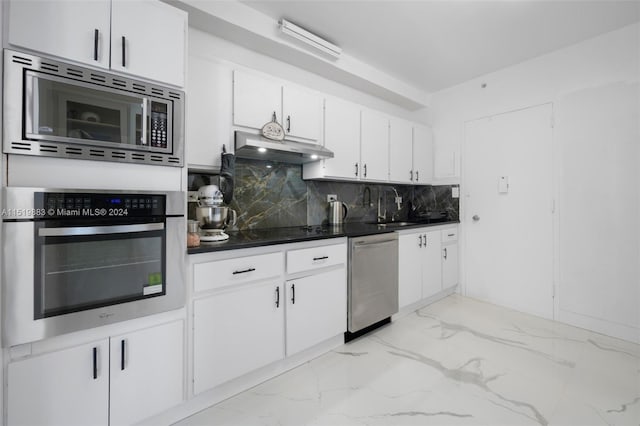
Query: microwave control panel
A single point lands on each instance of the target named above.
(159, 120)
(64, 204)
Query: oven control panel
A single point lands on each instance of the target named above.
(65, 204)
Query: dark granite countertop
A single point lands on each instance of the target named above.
(271, 236)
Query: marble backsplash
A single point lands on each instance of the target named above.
(273, 195)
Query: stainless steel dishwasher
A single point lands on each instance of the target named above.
(373, 281)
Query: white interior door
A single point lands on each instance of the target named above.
(508, 210)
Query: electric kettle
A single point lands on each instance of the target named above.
(337, 212)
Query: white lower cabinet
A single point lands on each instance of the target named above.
(240, 321)
(420, 274)
(316, 309)
(237, 331)
(75, 387)
(61, 388)
(449, 257)
(147, 370)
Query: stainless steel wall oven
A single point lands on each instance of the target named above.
(78, 259)
(56, 109)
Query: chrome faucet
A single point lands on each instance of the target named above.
(382, 216)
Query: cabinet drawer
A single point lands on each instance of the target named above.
(316, 257)
(221, 273)
(449, 235)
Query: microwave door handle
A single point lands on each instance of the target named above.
(99, 230)
(31, 100)
(144, 123)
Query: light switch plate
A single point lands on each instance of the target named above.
(503, 184)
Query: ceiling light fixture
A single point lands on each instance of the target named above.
(310, 39)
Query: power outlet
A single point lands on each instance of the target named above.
(331, 197)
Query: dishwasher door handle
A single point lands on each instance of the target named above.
(373, 243)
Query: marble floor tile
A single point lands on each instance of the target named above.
(458, 361)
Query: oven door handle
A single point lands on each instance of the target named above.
(97, 230)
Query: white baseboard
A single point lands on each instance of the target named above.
(620, 331)
(423, 302)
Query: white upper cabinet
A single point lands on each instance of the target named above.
(374, 146)
(74, 30)
(208, 113)
(400, 151)
(342, 136)
(148, 39)
(422, 155)
(302, 113)
(257, 98)
(90, 32)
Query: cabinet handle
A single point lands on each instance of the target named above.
(95, 363)
(244, 271)
(365, 170)
(122, 351)
(425, 240)
(315, 259)
(124, 62)
(278, 297)
(288, 124)
(420, 243)
(417, 175)
(445, 253)
(451, 235)
(293, 294)
(410, 174)
(356, 169)
(96, 35)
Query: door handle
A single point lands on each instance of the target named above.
(356, 169)
(445, 253)
(124, 56)
(122, 351)
(365, 169)
(475, 218)
(95, 363)
(288, 124)
(425, 240)
(96, 35)
(278, 297)
(411, 175)
(420, 239)
(417, 175)
(293, 294)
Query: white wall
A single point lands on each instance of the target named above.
(593, 86)
(209, 47)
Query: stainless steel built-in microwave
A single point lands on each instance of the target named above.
(57, 109)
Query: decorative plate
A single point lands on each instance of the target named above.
(273, 130)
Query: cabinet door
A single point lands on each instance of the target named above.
(148, 39)
(432, 264)
(236, 332)
(66, 29)
(342, 136)
(400, 150)
(147, 372)
(422, 155)
(301, 113)
(410, 257)
(374, 146)
(255, 99)
(209, 112)
(449, 265)
(316, 309)
(61, 388)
